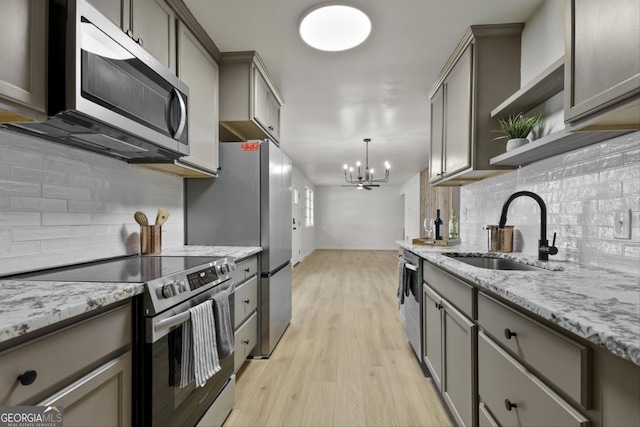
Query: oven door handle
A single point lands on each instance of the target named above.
(410, 266)
(172, 321)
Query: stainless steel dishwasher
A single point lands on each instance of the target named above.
(410, 300)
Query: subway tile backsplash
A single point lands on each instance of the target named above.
(60, 205)
(582, 190)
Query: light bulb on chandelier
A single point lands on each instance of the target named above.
(364, 178)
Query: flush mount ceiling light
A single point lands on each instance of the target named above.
(334, 27)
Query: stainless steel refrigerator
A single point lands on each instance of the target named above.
(249, 204)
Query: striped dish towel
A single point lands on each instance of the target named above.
(205, 351)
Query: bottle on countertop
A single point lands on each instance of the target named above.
(438, 224)
(453, 225)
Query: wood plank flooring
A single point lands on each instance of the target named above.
(345, 359)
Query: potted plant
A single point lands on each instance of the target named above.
(516, 128)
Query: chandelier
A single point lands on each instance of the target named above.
(364, 178)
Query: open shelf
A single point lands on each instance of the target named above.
(551, 145)
(534, 93)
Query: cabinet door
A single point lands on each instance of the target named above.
(274, 117)
(22, 69)
(604, 66)
(432, 304)
(117, 11)
(459, 356)
(437, 129)
(200, 72)
(103, 397)
(457, 115)
(154, 23)
(261, 100)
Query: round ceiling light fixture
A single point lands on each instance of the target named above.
(334, 27)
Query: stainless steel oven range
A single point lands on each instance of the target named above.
(173, 285)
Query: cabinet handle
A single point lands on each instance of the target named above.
(508, 334)
(439, 306)
(509, 405)
(246, 301)
(245, 342)
(270, 127)
(246, 270)
(129, 32)
(140, 42)
(28, 377)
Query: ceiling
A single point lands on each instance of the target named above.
(333, 100)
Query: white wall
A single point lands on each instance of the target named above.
(60, 205)
(542, 39)
(308, 233)
(347, 218)
(411, 191)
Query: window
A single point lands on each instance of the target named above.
(308, 211)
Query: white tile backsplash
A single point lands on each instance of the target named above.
(582, 189)
(60, 205)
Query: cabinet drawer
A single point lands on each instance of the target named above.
(560, 360)
(245, 269)
(515, 396)
(452, 289)
(59, 355)
(245, 341)
(245, 300)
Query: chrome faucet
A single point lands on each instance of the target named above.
(544, 250)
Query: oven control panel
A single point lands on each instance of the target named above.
(201, 278)
(174, 289)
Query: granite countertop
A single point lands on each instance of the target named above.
(601, 306)
(26, 306)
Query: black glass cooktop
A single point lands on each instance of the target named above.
(134, 269)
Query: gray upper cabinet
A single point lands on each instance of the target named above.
(200, 72)
(482, 72)
(23, 65)
(437, 128)
(457, 116)
(249, 100)
(602, 69)
(152, 23)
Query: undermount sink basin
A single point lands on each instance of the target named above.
(493, 263)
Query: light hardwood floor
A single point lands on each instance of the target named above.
(345, 359)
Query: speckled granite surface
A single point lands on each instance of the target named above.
(237, 252)
(26, 306)
(602, 306)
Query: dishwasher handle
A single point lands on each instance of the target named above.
(410, 266)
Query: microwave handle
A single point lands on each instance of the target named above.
(183, 114)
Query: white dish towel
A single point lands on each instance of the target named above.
(205, 348)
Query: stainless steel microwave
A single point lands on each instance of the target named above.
(106, 93)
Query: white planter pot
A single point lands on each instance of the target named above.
(512, 144)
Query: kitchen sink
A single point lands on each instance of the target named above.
(493, 262)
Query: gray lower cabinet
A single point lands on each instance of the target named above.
(602, 70)
(100, 398)
(22, 69)
(432, 329)
(452, 360)
(245, 309)
(497, 364)
(516, 397)
(85, 367)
